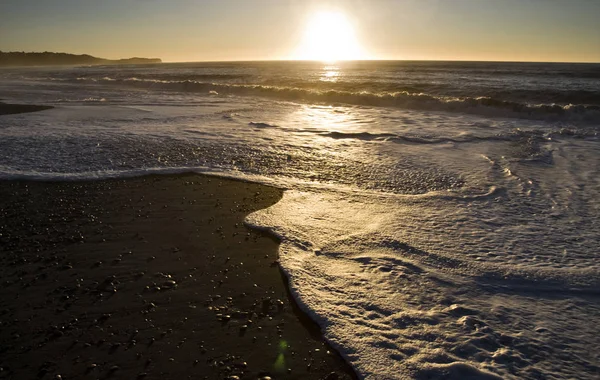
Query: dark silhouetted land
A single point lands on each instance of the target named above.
(54, 59)
(8, 109)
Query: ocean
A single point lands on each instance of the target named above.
(440, 219)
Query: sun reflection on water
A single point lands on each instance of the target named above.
(330, 74)
(326, 118)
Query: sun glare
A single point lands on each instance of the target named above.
(330, 37)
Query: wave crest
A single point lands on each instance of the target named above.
(486, 106)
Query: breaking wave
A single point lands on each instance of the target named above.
(510, 136)
(483, 105)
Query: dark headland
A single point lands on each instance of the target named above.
(7, 109)
(57, 59)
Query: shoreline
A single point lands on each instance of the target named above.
(149, 277)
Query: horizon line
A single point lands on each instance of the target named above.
(314, 60)
(378, 60)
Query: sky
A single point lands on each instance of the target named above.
(220, 30)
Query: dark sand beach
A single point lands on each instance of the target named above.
(148, 278)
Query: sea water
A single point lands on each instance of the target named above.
(440, 219)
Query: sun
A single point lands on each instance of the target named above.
(329, 36)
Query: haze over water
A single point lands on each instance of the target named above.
(441, 218)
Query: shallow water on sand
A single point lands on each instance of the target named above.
(449, 236)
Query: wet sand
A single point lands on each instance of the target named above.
(7, 109)
(148, 278)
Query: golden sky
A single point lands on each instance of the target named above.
(205, 30)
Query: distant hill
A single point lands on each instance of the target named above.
(53, 59)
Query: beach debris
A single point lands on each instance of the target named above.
(280, 304)
(91, 367)
(241, 365)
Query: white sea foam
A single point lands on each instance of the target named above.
(373, 271)
(425, 244)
